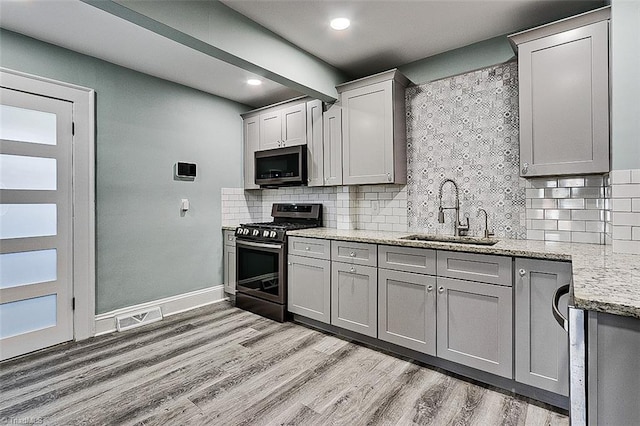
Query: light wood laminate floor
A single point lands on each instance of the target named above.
(219, 365)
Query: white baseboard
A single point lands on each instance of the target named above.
(106, 322)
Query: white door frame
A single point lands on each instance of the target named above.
(84, 197)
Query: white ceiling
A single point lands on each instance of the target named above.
(388, 33)
(384, 34)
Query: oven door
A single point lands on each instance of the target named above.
(260, 270)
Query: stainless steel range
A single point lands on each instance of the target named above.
(261, 258)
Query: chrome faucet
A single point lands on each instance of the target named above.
(487, 234)
(460, 228)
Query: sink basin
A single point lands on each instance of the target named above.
(452, 239)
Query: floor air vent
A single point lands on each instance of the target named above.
(137, 319)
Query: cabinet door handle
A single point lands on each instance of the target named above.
(352, 254)
(307, 248)
(352, 269)
(525, 168)
(441, 289)
(430, 288)
(389, 177)
(289, 263)
(522, 272)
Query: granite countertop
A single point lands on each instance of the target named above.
(602, 281)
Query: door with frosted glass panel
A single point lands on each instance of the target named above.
(35, 222)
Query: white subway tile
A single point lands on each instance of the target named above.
(621, 232)
(385, 227)
(626, 191)
(400, 227)
(557, 236)
(594, 181)
(537, 214)
(635, 205)
(557, 214)
(577, 203)
(631, 247)
(587, 215)
(534, 234)
(544, 224)
(585, 237)
(635, 176)
(570, 182)
(620, 176)
(621, 204)
(568, 225)
(541, 203)
(543, 183)
(534, 193)
(635, 233)
(557, 193)
(629, 219)
(595, 226)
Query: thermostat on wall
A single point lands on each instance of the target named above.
(186, 170)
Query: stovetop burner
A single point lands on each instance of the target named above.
(286, 217)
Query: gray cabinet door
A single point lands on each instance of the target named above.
(542, 345)
(475, 325)
(333, 146)
(251, 145)
(354, 298)
(367, 148)
(315, 159)
(407, 310)
(229, 269)
(309, 287)
(294, 125)
(271, 129)
(564, 102)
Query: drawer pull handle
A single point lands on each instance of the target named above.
(525, 168)
(441, 289)
(352, 270)
(307, 248)
(352, 254)
(430, 288)
(522, 272)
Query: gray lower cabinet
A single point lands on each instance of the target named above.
(354, 297)
(407, 310)
(542, 345)
(475, 325)
(309, 287)
(613, 383)
(229, 254)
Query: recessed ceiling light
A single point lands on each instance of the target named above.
(340, 23)
(254, 82)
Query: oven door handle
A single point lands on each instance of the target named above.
(259, 245)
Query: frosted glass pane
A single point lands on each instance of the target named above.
(27, 125)
(27, 315)
(30, 173)
(27, 220)
(27, 267)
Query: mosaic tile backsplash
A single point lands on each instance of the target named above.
(466, 128)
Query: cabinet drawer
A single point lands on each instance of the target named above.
(310, 247)
(475, 267)
(355, 253)
(229, 238)
(408, 259)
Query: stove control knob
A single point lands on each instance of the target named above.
(255, 233)
(272, 234)
(245, 231)
(265, 234)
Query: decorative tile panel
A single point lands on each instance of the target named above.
(466, 128)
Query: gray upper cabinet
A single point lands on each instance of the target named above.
(315, 164)
(251, 128)
(542, 345)
(475, 325)
(332, 155)
(284, 125)
(563, 71)
(354, 301)
(374, 129)
(407, 310)
(309, 287)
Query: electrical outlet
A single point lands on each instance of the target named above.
(375, 207)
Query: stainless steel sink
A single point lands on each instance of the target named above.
(452, 239)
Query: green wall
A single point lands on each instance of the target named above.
(145, 249)
(459, 61)
(625, 84)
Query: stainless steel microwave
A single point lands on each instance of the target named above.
(281, 167)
